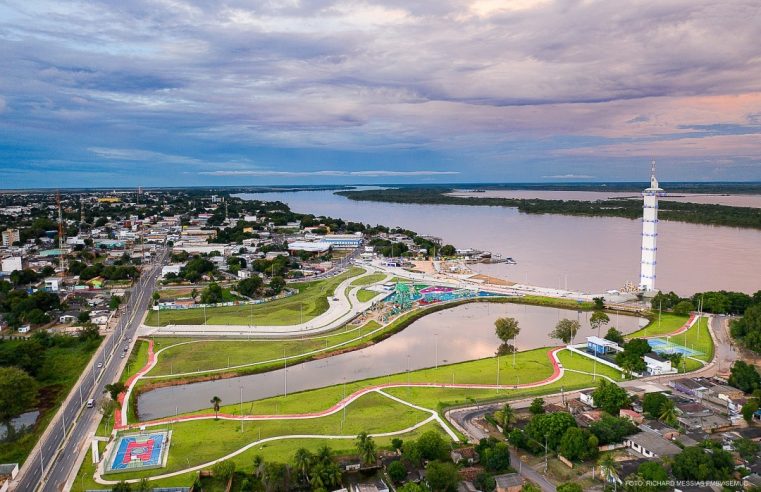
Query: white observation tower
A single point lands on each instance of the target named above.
(649, 234)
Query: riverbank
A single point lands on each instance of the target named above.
(695, 213)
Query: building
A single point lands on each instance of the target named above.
(309, 247)
(649, 234)
(52, 284)
(601, 346)
(11, 264)
(343, 241)
(657, 364)
(651, 445)
(11, 236)
(509, 482)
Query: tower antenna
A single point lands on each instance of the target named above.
(60, 234)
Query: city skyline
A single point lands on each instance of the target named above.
(337, 92)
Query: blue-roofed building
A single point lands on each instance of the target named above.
(601, 346)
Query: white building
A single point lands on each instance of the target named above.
(343, 241)
(649, 234)
(11, 263)
(310, 247)
(166, 270)
(52, 284)
(11, 236)
(657, 364)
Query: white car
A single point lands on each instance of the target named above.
(100, 365)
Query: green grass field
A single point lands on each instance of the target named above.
(365, 295)
(59, 370)
(369, 279)
(205, 355)
(668, 323)
(310, 302)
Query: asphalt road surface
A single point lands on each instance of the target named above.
(58, 449)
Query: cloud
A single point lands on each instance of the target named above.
(368, 174)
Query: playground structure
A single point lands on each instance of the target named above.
(409, 295)
(135, 452)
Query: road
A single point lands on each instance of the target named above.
(55, 455)
(464, 418)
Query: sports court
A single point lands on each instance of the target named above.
(139, 452)
(661, 346)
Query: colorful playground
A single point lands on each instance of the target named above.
(134, 452)
(408, 295)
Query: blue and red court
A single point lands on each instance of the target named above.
(139, 452)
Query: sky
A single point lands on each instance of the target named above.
(192, 92)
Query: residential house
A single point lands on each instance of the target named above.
(651, 445)
(509, 482)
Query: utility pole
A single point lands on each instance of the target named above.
(285, 374)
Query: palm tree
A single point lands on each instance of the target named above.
(324, 454)
(258, 465)
(668, 413)
(302, 460)
(508, 416)
(215, 401)
(366, 447)
(608, 468)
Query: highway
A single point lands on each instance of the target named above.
(55, 456)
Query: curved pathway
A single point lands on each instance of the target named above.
(339, 313)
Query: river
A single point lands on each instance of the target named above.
(465, 332)
(590, 254)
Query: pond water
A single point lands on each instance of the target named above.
(465, 332)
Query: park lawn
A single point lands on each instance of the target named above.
(552, 302)
(365, 295)
(434, 398)
(197, 442)
(60, 369)
(219, 354)
(669, 323)
(369, 279)
(275, 451)
(310, 302)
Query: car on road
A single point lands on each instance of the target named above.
(90, 403)
(100, 365)
(122, 356)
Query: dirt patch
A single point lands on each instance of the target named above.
(492, 280)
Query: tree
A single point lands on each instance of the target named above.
(615, 336)
(442, 477)
(194, 294)
(746, 448)
(694, 463)
(115, 389)
(653, 403)
(748, 328)
(569, 487)
(748, 409)
(599, 303)
(366, 448)
(143, 486)
(212, 294)
(537, 406)
(432, 446)
(745, 377)
(668, 413)
(114, 303)
(610, 397)
(653, 471)
(448, 250)
(410, 487)
(277, 284)
(506, 328)
(122, 487)
(156, 296)
(598, 320)
(530, 487)
(608, 467)
(575, 444)
(609, 429)
(249, 287)
(683, 308)
(223, 469)
(494, 455)
(549, 426)
(397, 471)
(506, 416)
(397, 444)
(18, 393)
(215, 401)
(302, 461)
(83, 316)
(565, 330)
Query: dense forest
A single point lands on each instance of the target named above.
(697, 213)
